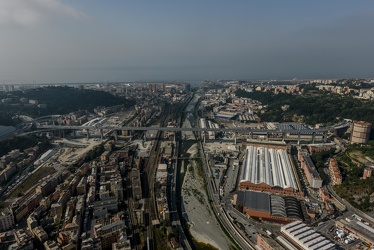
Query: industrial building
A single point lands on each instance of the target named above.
(310, 170)
(360, 132)
(304, 237)
(225, 115)
(211, 135)
(268, 169)
(151, 133)
(357, 228)
(270, 207)
(265, 242)
(45, 157)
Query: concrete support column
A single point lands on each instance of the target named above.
(101, 134)
(115, 135)
(283, 136)
(88, 134)
(325, 136)
(298, 138)
(313, 137)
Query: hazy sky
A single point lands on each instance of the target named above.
(95, 41)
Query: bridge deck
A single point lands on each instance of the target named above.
(240, 130)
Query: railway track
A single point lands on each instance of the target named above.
(172, 112)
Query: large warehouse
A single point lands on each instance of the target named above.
(270, 207)
(304, 237)
(268, 169)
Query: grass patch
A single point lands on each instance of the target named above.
(31, 181)
(160, 239)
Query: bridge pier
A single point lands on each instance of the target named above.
(115, 135)
(101, 134)
(74, 134)
(61, 133)
(313, 137)
(325, 136)
(88, 134)
(250, 135)
(283, 136)
(298, 138)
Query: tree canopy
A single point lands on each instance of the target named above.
(58, 100)
(311, 108)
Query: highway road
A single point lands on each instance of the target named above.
(350, 208)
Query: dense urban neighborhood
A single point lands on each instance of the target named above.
(188, 165)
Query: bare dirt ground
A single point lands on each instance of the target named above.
(71, 153)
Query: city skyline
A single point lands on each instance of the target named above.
(76, 41)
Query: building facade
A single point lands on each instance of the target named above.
(310, 170)
(6, 220)
(335, 175)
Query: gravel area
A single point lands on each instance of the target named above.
(203, 224)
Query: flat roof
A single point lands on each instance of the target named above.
(358, 228)
(161, 175)
(257, 201)
(312, 168)
(370, 229)
(162, 166)
(362, 123)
